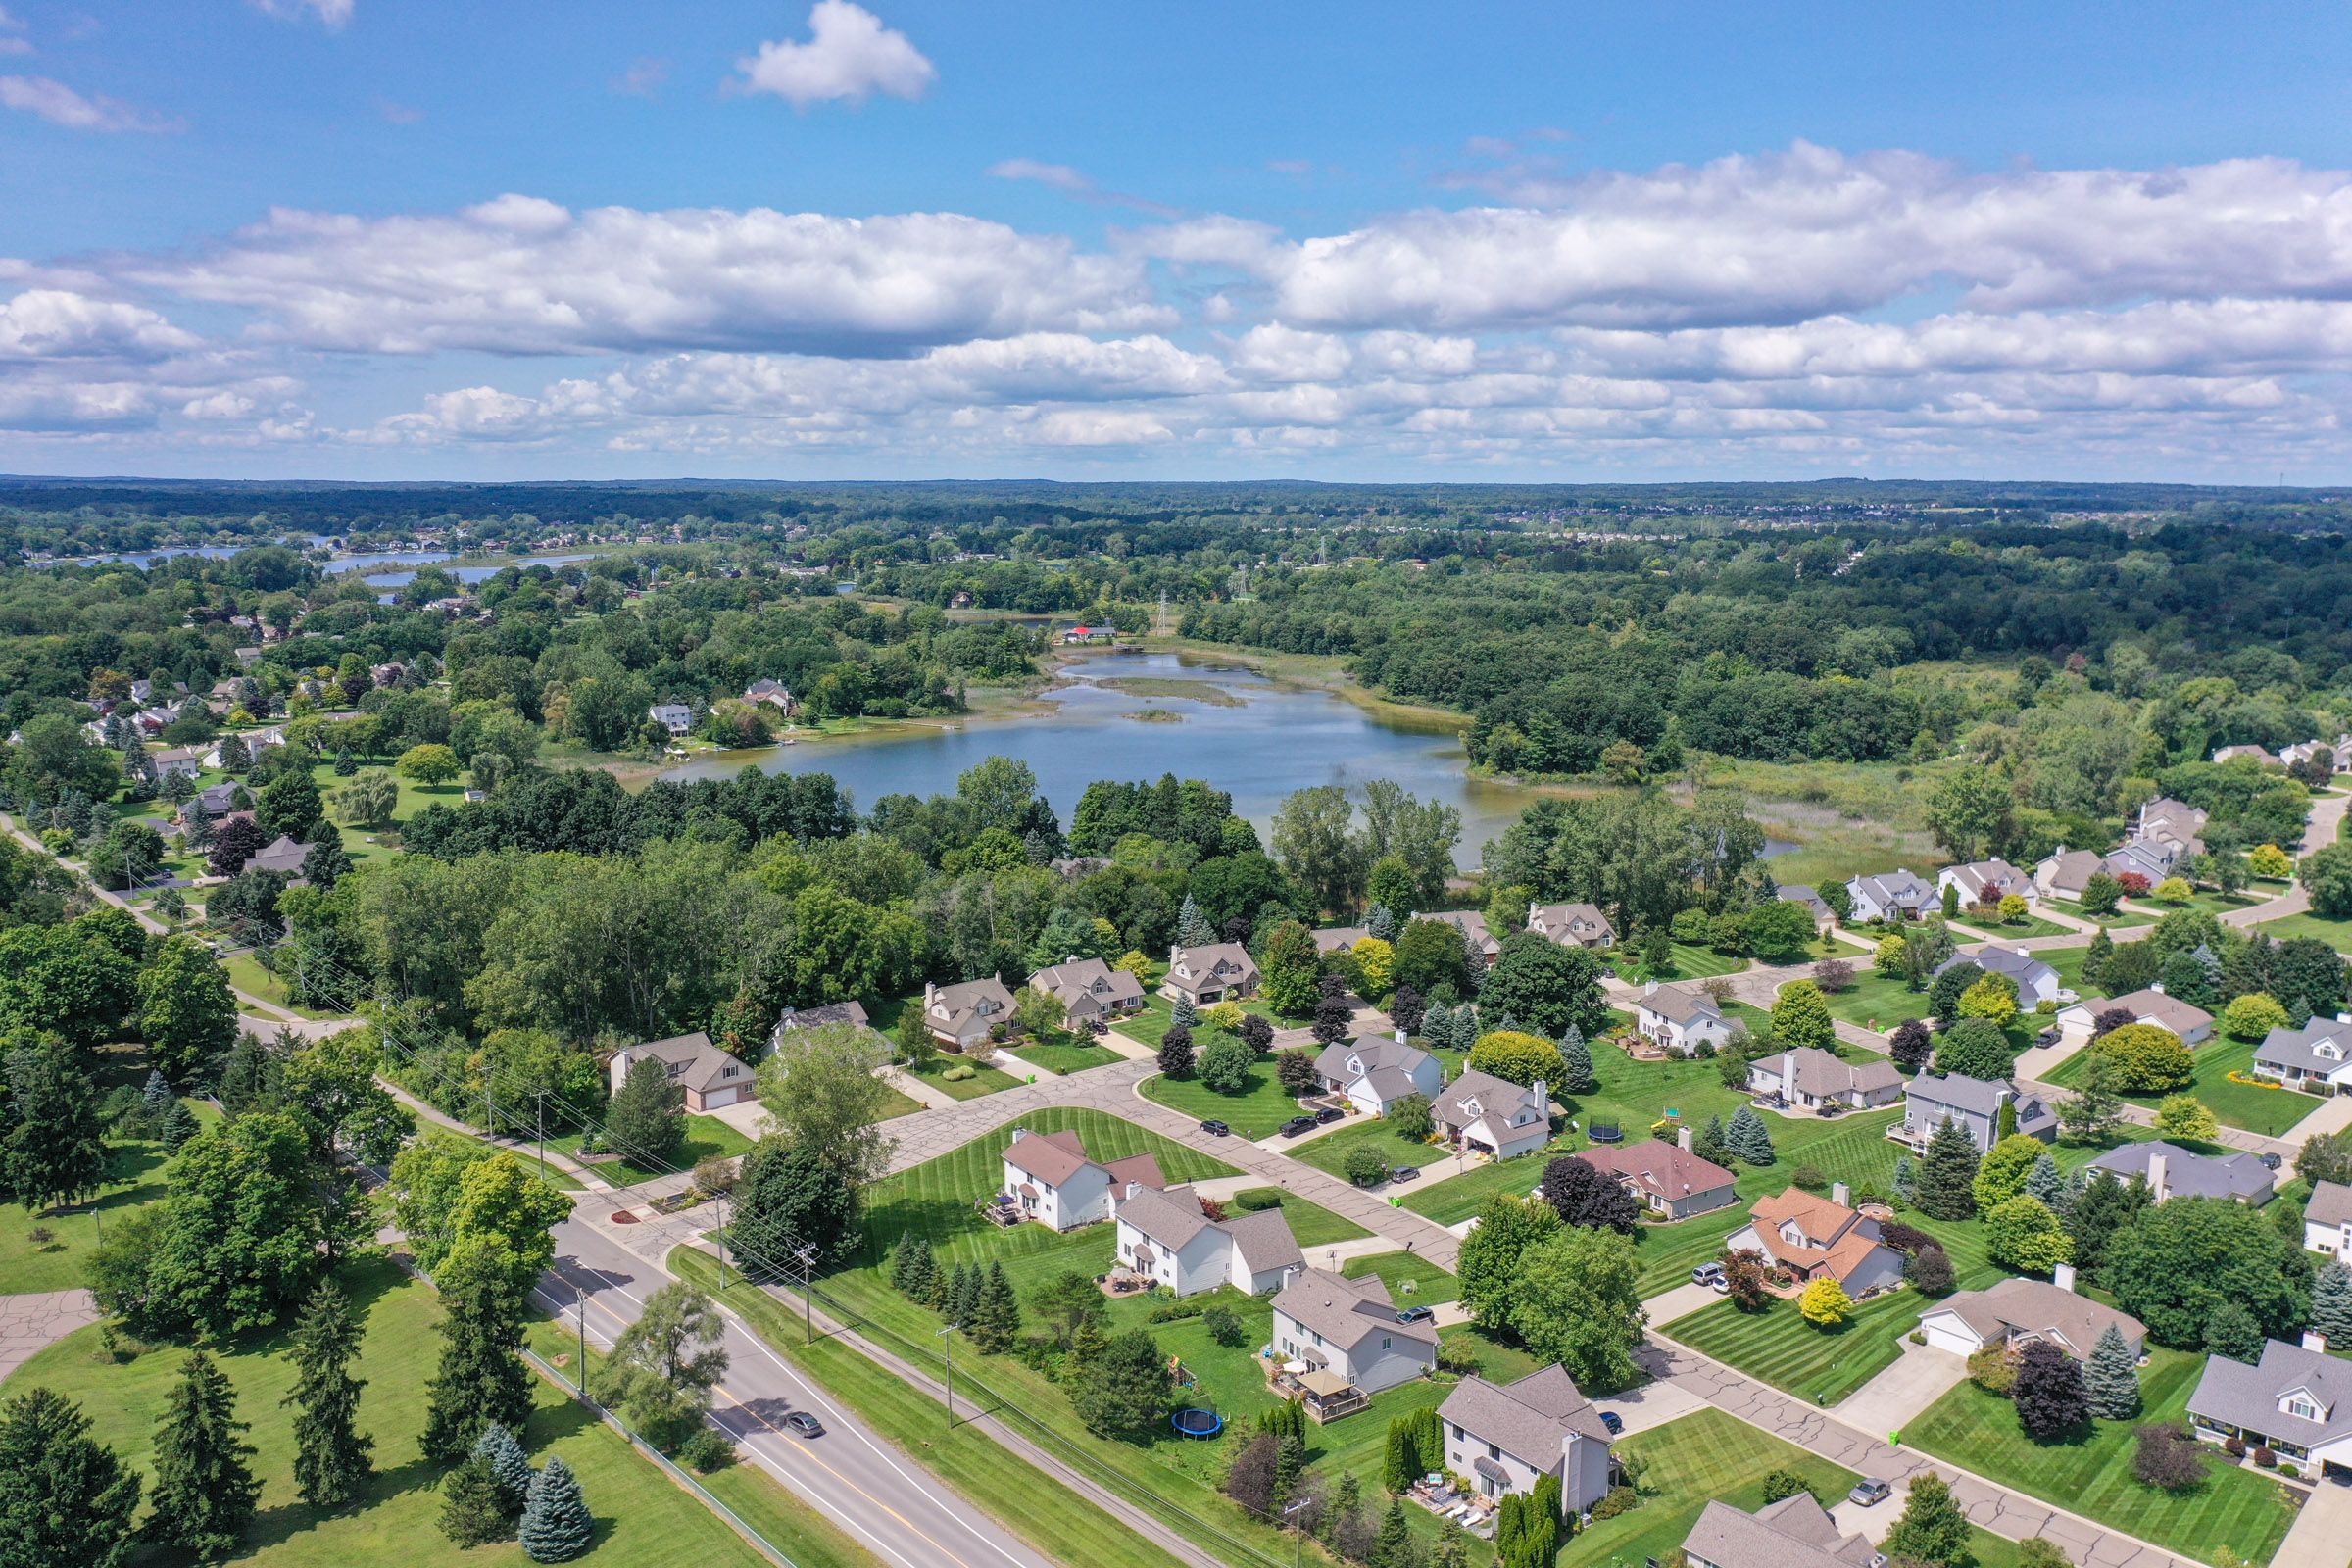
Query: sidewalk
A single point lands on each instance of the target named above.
(30, 1324)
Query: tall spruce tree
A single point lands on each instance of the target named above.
(205, 1492)
(1749, 1138)
(555, 1524)
(1947, 1174)
(56, 1153)
(64, 1497)
(1576, 1057)
(2111, 1378)
(997, 1315)
(500, 1449)
(2331, 1303)
(481, 1377)
(1192, 926)
(2042, 1181)
(473, 1507)
(330, 1456)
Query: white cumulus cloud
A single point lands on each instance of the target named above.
(850, 55)
(60, 105)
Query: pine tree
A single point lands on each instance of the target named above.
(1289, 1463)
(330, 1456)
(1379, 925)
(1397, 1471)
(1192, 926)
(556, 1525)
(2044, 1182)
(56, 1153)
(901, 1252)
(156, 1100)
(1947, 1175)
(1393, 1546)
(1710, 1145)
(966, 1303)
(204, 1490)
(1184, 1015)
(64, 1498)
(2331, 1303)
(481, 1377)
(1577, 1057)
(996, 1320)
(500, 1449)
(473, 1510)
(1087, 1341)
(2111, 1378)
(1749, 1138)
(2096, 957)
(1906, 1178)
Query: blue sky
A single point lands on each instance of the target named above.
(377, 238)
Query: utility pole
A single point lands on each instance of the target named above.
(1297, 1535)
(724, 1242)
(948, 1337)
(539, 1106)
(808, 1257)
(580, 1300)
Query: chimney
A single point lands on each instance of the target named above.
(1683, 1139)
(2064, 1277)
(2156, 1163)
(1400, 1037)
(1842, 1194)
(1019, 1133)
(2156, 986)
(930, 990)
(1543, 1093)
(1650, 989)
(2314, 1340)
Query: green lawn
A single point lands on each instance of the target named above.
(2121, 919)
(705, 1136)
(1777, 1346)
(1876, 1002)
(1409, 1277)
(1159, 1012)
(1688, 962)
(1255, 1110)
(2268, 1111)
(135, 1177)
(1458, 1198)
(896, 1102)
(2067, 961)
(245, 972)
(2334, 932)
(1329, 1152)
(983, 1080)
(643, 1520)
(2205, 901)
(2032, 925)
(1058, 1057)
(2093, 1475)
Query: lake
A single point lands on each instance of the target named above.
(413, 559)
(1245, 734)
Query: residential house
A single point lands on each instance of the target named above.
(2259, 753)
(2145, 856)
(711, 1075)
(256, 742)
(1090, 991)
(1338, 939)
(1168, 1238)
(1374, 1074)
(1506, 1437)
(1816, 1238)
(2016, 1310)
(1078, 636)
(2296, 1402)
(675, 717)
(2328, 1219)
(1795, 1532)
(1974, 1105)
(220, 798)
(1893, 896)
(185, 761)
(2171, 1171)
(1665, 1178)
(771, 692)
(964, 1017)
(2174, 821)
(283, 853)
(1681, 1017)
(2317, 1058)
(1490, 1115)
(1209, 973)
(1049, 1178)
(1987, 882)
(1811, 900)
(1809, 1078)
(1351, 1331)
(792, 1020)
(2037, 981)
(2078, 1022)
(1571, 925)
(2338, 752)
(248, 656)
(1481, 943)
(2065, 874)
(387, 674)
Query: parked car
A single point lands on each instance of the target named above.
(2271, 1162)
(1214, 1128)
(1869, 1490)
(1613, 1421)
(1405, 1173)
(1298, 1124)
(1416, 1315)
(1330, 1114)
(1711, 1276)
(806, 1425)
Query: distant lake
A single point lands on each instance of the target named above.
(1250, 736)
(411, 559)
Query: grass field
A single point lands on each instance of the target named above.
(2093, 1475)
(1689, 962)
(983, 1080)
(2205, 901)
(1062, 1056)
(1329, 1152)
(643, 1520)
(2032, 925)
(246, 973)
(1159, 1012)
(2337, 934)
(1876, 1002)
(1255, 1110)
(1409, 1277)
(705, 1136)
(134, 1178)
(2118, 920)
(2268, 1111)
(1777, 1346)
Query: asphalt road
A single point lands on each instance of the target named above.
(885, 1502)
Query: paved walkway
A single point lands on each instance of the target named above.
(30, 1324)
(2321, 1533)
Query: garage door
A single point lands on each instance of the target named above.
(1945, 1335)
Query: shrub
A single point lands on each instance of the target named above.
(706, 1450)
(1620, 1499)
(1810, 1179)
(1782, 1484)
(959, 1074)
(1994, 1370)
(2234, 1446)
(2264, 1457)
(2167, 1458)
(1824, 1304)
(1224, 1325)
(1457, 1354)
(1249, 1199)
(1365, 1166)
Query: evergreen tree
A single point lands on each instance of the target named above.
(156, 1100)
(2235, 1332)
(2096, 957)
(1576, 1058)
(481, 1377)
(330, 1456)
(1289, 1463)
(1392, 1548)
(2111, 1378)
(1932, 1530)
(556, 1525)
(1380, 925)
(1906, 1179)
(968, 1280)
(2044, 1182)
(64, 1498)
(1192, 929)
(2331, 1303)
(996, 1320)
(204, 1490)
(500, 1449)
(1749, 1138)
(56, 1153)
(1184, 1015)
(179, 1125)
(473, 1510)
(1947, 1174)
(1711, 1145)
(646, 1118)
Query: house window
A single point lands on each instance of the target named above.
(1386, 1342)
(2304, 1409)
(1493, 1453)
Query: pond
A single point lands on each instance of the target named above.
(1236, 729)
(410, 560)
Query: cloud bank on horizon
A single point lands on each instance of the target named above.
(1808, 309)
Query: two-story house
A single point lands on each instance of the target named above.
(1893, 896)
(2327, 1220)
(1504, 1437)
(1352, 1329)
(1793, 1533)
(1167, 1237)
(2036, 981)
(1680, 1018)
(964, 1018)
(1813, 1238)
(1974, 1105)
(2296, 1400)
(2020, 1310)
(711, 1075)
(1488, 1115)
(1049, 1178)
(1208, 974)
(1090, 991)
(1571, 925)
(1987, 882)
(1808, 1078)
(675, 717)
(1374, 1074)
(2317, 1058)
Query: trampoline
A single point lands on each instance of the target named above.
(1194, 1422)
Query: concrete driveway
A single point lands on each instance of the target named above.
(1680, 1302)
(1895, 1397)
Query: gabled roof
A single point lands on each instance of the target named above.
(283, 853)
(2187, 1175)
(2153, 1007)
(2242, 1396)
(2072, 868)
(954, 1007)
(1338, 938)
(1345, 1060)
(2308, 1048)
(700, 1064)
(1981, 878)
(1214, 961)
(1495, 1096)
(1680, 1004)
(1529, 1419)
(2019, 966)
(1657, 1166)
(1088, 977)
(1054, 1157)
(1471, 924)
(1898, 889)
(2039, 1306)
(1810, 1071)
(1579, 920)
(1345, 1311)
(2330, 1204)
(1793, 1533)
